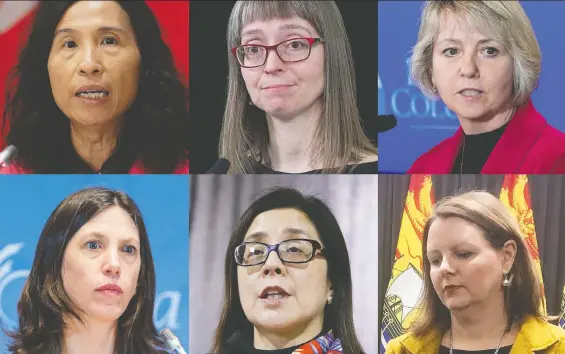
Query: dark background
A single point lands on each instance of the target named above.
(209, 71)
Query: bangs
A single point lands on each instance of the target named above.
(246, 12)
(470, 18)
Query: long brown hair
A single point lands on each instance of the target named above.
(340, 139)
(523, 298)
(44, 302)
(338, 316)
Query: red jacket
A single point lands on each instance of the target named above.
(528, 145)
(136, 169)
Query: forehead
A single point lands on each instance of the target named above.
(113, 222)
(92, 13)
(458, 26)
(279, 224)
(277, 25)
(445, 233)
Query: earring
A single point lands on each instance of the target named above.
(434, 88)
(507, 280)
(330, 299)
(251, 103)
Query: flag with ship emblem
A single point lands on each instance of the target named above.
(406, 282)
(515, 194)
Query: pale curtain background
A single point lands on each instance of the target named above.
(217, 201)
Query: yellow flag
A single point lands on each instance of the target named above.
(515, 194)
(406, 282)
(562, 312)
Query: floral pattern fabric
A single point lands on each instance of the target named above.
(325, 344)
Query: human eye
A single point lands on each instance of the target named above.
(450, 52)
(491, 52)
(92, 245)
(129, 249)
(69, 44)
(110, 40)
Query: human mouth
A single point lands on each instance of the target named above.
(470, 93)
(276, 87)
(110, 289)
(92, 92)
(274, 295)
(451, 288)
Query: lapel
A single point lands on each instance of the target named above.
(427, 343)
(535, 335)
(519, 137)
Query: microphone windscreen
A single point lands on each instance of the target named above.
(221, 167)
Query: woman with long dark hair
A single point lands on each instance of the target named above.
(287, 281)
(91, 288)
(96, 91)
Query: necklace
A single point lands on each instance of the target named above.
(495, 352)
(462, 155)
(463, 149)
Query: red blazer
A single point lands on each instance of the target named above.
(528, 145)
(136, 169)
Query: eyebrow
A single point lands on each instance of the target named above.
(101, 236)
(454, 40)
(260, 235)
(289, 26)
(99, 29)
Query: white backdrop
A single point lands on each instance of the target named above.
(218, 201)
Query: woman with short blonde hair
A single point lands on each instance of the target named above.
(483, 60)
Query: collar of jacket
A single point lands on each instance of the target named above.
(535, 335)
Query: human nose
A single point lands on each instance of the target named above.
(112, 265)
(469, 68)
(90, 62)
(273, 264)
(445, 267)
(273, 63)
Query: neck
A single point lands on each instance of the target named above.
(291, 142)
(480, 326)
(488, 123)
(267, 339)
(90, 338)
(94, 144)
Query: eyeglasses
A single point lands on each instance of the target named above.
(289, 51)
(289, 251)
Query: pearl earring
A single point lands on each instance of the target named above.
(330, 299)
(507, 280)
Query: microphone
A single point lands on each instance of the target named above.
(386, 123)
(221, 167)
(7, 155)
(172, 341)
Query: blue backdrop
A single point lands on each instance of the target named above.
(27, 202)
(423, 123)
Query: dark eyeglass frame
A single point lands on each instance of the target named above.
(317, 249)
(274, 47)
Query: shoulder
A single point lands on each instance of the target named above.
(422, 163)
(395, 346)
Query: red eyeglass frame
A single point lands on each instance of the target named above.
(311, 41)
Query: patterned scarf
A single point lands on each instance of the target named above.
(325, 344)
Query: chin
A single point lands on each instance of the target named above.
(107, 313)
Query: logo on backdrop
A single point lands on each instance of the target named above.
(407, 102)
(168, 301)
(8, 276)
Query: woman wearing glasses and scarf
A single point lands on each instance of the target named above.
(291, 101)
(287, 281)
